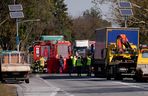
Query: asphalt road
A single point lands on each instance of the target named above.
(64, 85)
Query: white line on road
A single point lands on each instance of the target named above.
(56, 89)
(55, 92)
(128, 84)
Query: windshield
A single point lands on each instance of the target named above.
(145, 54)
(63, 50)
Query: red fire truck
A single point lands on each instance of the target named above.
(51, 50)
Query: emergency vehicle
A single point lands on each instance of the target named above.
(51, 48)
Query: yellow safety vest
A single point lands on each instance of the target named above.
(74, 59)
(42, 61)
(88, 61)
(79, 62)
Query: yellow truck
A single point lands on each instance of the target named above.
(115, 56)
(14, 65)
(142, 65)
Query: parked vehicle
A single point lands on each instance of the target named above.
(142, 64)
(51, 48)
(14, 65)
(83, 47)
(109, 60)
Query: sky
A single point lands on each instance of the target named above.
(77, 7)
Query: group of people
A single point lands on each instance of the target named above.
(79, 65)
(76, 64)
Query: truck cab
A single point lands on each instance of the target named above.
(142, 64)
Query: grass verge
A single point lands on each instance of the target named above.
(7, 90)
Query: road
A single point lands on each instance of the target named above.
(64, 85)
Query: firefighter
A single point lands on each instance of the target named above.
(42, 63)
(88, 66)
(79, 66)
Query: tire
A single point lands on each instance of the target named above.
(108, 75)
(108, 78)
(0, 77)
(27, 81)
(138, 76)
(118, 77)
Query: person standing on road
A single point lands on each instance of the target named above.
(42, 63)
(74, 59)
(79, 66)
(61, 61)
(84, 63)
(70, 65)
(88, 68)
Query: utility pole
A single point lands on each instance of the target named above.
(16, 13)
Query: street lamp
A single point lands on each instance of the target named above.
(23, 21)
(32, 20)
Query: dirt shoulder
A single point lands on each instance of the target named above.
(7, 90)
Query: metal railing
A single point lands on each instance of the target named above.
(14, 58)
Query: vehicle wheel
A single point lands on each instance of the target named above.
(0, 77)
(26, 80)
(108, 78)
(118, 77)
(108, 73)
(138, 76)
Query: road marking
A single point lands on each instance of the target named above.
(57, 89)
(128, 84)
(55, 93)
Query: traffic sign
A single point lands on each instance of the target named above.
(16, 14)
(16, 7)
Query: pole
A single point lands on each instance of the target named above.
(14, 2)
(125, 21)
(17, 36)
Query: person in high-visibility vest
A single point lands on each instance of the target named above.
(79, 66)
(88, 66)
(74, 59)
(42, 62)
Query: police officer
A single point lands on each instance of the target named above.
(79, 66)
(74, 59)
(88, 66)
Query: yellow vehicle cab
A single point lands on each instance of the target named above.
(142, 65)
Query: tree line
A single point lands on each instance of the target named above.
(139, 19)
(55, 20)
